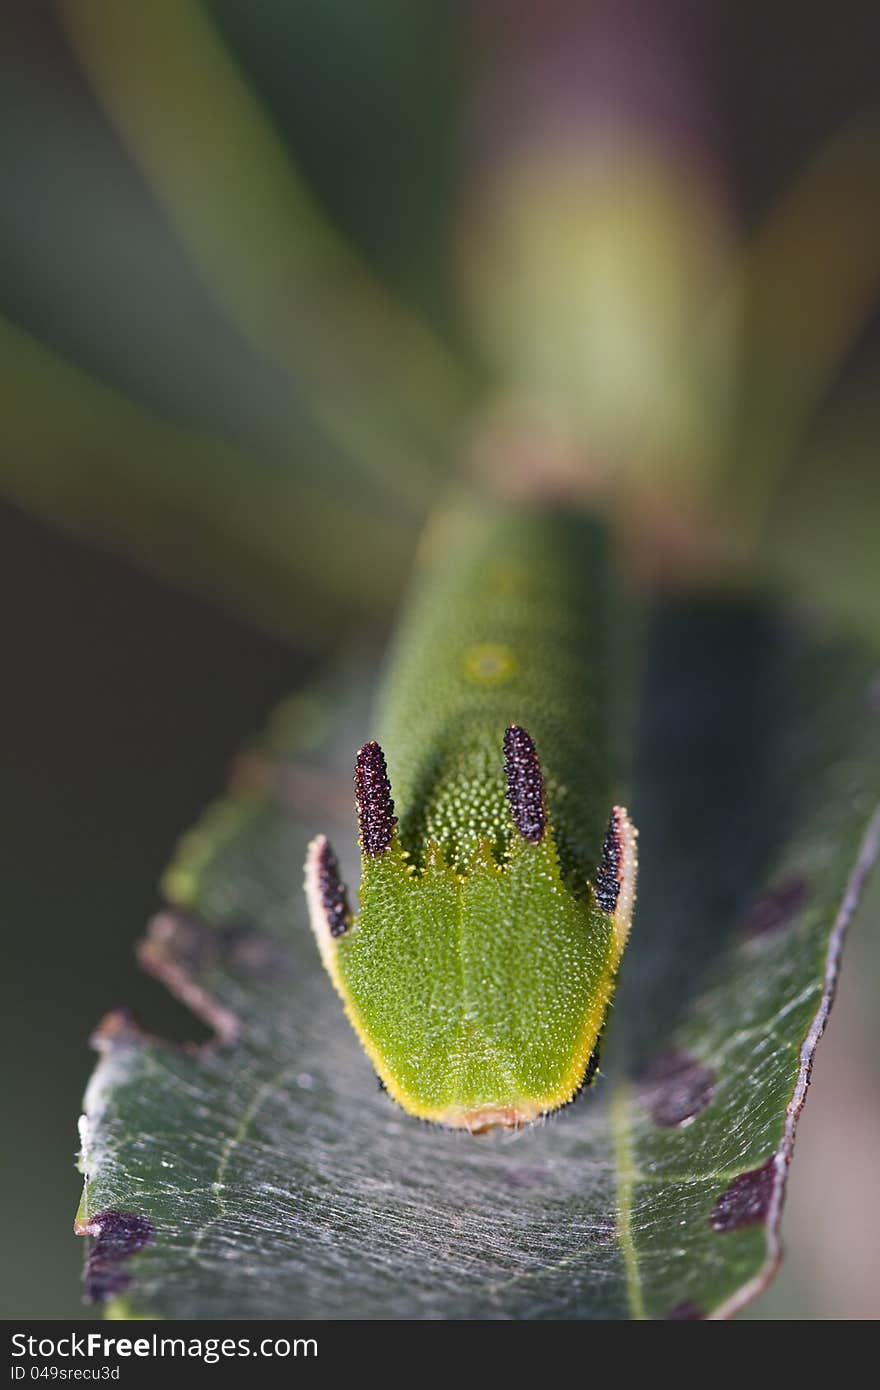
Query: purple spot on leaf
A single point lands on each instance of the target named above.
(676, 1087)
(527, 1177)
(118, 1235)
(252, 952)
(602, 1233)
(776, 908)
(685, 1312)
(746, 1200)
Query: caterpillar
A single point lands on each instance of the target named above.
(496, 891)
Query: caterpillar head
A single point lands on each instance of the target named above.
(478, 987)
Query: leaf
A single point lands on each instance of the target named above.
(371, 372)
(837, 497)
(194, 509)
(264, 1174)
(802, 290)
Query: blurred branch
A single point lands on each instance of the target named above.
(802, 290)
(287, 555)
(598, 227)
(371, 372)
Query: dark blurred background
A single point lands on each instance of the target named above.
(191, 521)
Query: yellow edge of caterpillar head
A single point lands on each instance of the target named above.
(526, 1109)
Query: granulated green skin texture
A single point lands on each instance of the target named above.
(479, 968)
(509, 623)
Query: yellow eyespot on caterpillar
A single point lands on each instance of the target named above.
(489, 663)
(496, 895)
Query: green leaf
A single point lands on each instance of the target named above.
(802, 290)
(265, 1175)
(194, 509)
(371, 372)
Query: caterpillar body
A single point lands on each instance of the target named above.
(496, 892)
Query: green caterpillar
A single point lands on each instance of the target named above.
(494, 904)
